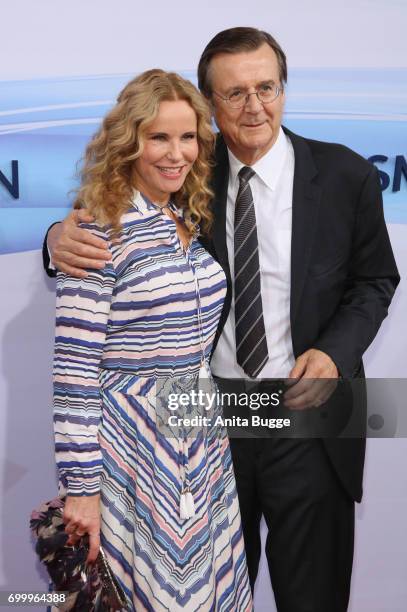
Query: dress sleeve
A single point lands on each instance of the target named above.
(82, 312)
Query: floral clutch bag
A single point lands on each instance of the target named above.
(88, 588)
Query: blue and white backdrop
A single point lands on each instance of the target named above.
(62, 66)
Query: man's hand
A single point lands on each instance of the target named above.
(81, 516)
(313, 379)
(74, 249)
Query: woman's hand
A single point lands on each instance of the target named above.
(81, 516)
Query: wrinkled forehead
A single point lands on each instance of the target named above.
(244, 68)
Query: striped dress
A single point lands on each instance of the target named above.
(126, 336)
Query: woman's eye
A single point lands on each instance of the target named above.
(189, 136)
(237, 93)
(158, 137)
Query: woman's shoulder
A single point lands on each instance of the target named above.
(97, 229)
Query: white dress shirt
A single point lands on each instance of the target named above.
(272, 190)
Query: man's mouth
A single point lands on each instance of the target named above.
(171, 171)
(254, 125)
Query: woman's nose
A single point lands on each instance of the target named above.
(174, 151)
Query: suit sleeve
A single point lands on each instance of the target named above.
(45, 254)
(371, 283)
(82, 312)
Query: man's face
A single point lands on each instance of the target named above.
(250, 131)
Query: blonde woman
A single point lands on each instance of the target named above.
(165, 513)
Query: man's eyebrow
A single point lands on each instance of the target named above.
(237, 86)
(266, 82)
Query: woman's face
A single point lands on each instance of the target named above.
(170, 149)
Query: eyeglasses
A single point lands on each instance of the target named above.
(266, 93)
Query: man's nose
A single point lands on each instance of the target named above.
(253, 104)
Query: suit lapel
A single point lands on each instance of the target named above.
(306, 202)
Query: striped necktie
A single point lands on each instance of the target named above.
(251, 343)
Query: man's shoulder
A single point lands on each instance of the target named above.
(336, 150)
(331, 154)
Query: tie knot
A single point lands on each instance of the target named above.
(246, 173)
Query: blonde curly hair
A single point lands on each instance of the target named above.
(107, 178)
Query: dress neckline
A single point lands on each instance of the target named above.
(142, 202)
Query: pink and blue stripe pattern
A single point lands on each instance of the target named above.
(119, 332)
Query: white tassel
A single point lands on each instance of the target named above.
(183, 510)
(203, 373)
(190, 504)
(186, 505)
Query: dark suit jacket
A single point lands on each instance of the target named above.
(343, 273)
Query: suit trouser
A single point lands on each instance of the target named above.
(310, 520)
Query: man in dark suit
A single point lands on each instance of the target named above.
(300, 233)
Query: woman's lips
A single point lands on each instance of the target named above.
(171, 172)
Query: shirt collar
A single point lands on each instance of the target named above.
(143, 204)
(269, 167)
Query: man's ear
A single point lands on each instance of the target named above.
(211, 104)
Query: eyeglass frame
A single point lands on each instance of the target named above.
(279, 90)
